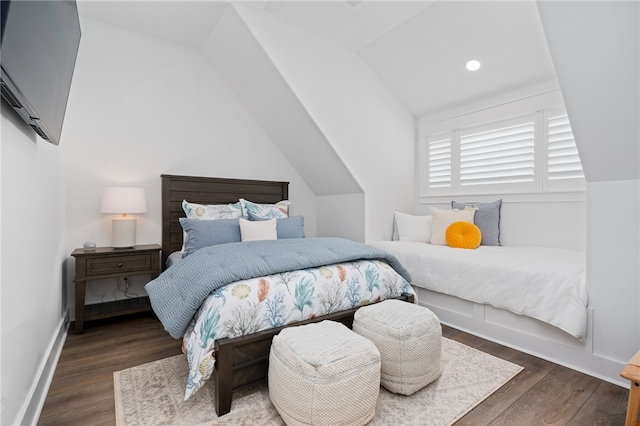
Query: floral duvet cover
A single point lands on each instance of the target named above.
(257, 304)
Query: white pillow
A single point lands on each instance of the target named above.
(443, 218)
(413, 228)
(258, 230)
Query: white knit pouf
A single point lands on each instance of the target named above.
(409, 338)
(323, 374)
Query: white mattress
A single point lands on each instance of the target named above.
(544, 283)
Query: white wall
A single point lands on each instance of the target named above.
(527, 222)
(531, 223)
(33, 301)
(613, 270)
(141, 107)
(595, 48)
(372, 132)
(350, 208)
(241, 61)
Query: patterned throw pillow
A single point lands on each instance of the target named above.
(278, 210)
(211, 211)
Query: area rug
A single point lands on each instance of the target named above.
(152, 394)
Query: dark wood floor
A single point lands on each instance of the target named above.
(543, 394)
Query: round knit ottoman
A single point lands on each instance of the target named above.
(323, 374)
(409, 338)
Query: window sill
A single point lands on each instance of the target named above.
(576, 196)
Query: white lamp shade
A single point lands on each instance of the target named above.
(123, 199)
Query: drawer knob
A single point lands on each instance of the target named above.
(120, 265)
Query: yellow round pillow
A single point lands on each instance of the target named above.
(463, 235)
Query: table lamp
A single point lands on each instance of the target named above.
(123, 200)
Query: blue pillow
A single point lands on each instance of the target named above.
(205, 233)
(289, 227)
(487, 218)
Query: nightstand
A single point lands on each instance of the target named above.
(109, 262)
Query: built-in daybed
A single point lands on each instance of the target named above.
(543, 283)
(533, 299)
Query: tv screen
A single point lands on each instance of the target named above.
(38, 52)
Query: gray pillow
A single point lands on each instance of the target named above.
(288, 227)
(395, 235)
(487, 218)
(205, 233)
(174, 258)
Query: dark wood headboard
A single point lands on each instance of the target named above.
(206, 190)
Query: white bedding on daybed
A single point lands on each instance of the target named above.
(543, 283)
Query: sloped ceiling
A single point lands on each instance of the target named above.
(188, 23)
(423, 60)
(596, 46)
(243, 64)
(417, 48)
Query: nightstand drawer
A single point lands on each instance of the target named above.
(118, 264)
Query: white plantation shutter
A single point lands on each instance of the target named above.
(563, 161)
(532, 153)
(502, 153)
(439, 165)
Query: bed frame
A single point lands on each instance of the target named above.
(206, 190)
(242, 361)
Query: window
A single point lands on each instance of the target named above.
(502, 154)
(439, 161)
(531, 153)
(562, 159)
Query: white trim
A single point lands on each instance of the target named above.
(544, 148)
(32, 407)
(524, 334)
(540, 92)
(519, 197)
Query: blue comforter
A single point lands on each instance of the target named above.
(177, 293)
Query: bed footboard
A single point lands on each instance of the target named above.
(244, 361)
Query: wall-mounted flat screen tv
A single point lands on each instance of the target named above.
(38, 50)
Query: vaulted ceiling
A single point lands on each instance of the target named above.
(417, 48)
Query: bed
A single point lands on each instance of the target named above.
(575, 348)
(547, 284)
(239, 361)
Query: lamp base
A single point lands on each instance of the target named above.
(123, 232)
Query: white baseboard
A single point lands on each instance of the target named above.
(30, 412)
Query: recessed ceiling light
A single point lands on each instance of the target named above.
(473, 65)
